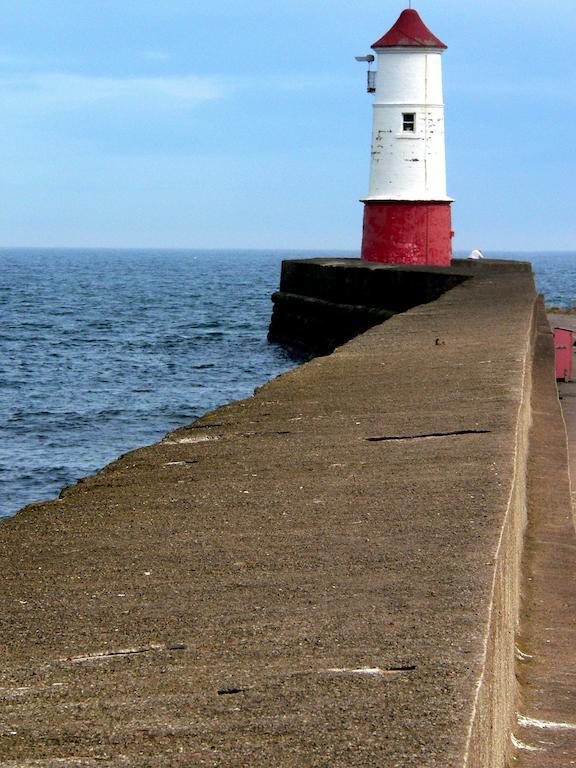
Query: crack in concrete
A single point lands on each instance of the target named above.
(429, 435)
(99, 655)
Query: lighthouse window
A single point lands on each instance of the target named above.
(409, 122)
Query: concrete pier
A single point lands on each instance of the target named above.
(322, 303)
(546, 643)
(325, 574)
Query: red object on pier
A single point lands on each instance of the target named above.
(408, 232)
(563, 347)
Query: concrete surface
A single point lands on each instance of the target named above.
(323, 303)
(546, 658)
(304, 578)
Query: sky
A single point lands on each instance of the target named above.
(246, 123)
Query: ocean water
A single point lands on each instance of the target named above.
(105, 351)
(555, 274)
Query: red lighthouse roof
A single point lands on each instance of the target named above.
(409, 32)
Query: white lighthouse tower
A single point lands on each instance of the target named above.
(407, 216)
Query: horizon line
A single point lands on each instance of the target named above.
(212, 249)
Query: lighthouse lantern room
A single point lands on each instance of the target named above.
(407, 216)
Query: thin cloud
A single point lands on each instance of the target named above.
(156, 55)
(53, 92)
(8, 59)
(295, 82)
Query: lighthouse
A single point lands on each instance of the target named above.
(407, 215)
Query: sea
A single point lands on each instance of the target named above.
(104, 351)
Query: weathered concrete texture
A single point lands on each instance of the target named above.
(347, 517)
(496, 700)
(546, 659)
(322, 303)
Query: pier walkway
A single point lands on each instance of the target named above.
(326, 574)
(546, 736)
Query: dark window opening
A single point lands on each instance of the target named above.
(409, 122)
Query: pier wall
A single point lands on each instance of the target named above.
(324, 574)
(323, 303)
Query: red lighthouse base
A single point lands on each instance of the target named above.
(408, 232)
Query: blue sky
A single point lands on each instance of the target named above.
(189, 123)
